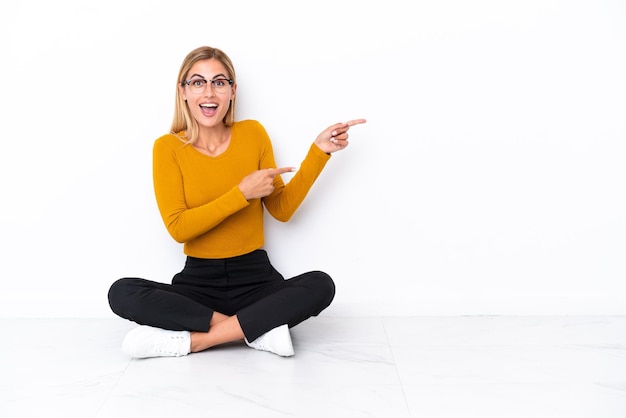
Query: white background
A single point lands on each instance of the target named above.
(489, 179)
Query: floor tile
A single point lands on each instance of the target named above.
(431, 367)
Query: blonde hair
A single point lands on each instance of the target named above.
(183, 120)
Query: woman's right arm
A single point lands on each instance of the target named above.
(184, 222)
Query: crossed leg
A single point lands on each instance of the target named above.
(223, 329)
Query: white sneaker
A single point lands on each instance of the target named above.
(145, 341)
(277, 341)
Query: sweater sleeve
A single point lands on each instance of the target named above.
(286, 198)
(183, 222)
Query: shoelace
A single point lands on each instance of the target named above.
(171, 345)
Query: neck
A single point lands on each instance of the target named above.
(213, 141)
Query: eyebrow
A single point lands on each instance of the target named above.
(202, 77)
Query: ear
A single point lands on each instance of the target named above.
(181, 89)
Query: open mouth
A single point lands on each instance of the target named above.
(208, 109)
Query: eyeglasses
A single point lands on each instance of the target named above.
(198, 85)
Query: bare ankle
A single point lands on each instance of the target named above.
(222, 332)
(197, 341)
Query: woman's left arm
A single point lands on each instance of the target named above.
(283, 202)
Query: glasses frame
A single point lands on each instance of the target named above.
(212, 82)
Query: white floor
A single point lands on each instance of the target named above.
(531, 367)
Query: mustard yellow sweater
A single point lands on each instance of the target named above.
(199, 198)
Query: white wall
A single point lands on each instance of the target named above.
(489, 179)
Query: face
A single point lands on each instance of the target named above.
(208, 107)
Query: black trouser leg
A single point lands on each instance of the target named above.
(159, 305)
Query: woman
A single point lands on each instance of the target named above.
(213, 178)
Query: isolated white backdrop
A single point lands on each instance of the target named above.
(489, 179)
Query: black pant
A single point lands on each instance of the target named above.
(246, 285)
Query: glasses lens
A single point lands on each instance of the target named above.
(219, 84)
(197, 85)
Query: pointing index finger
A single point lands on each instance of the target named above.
(275, 171)
(355, 122)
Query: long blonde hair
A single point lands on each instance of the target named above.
(183, 121)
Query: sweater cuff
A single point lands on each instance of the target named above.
(318, 152)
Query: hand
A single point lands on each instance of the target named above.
(260, 183)
(335, 137)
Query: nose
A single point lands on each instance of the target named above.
(209, 91)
